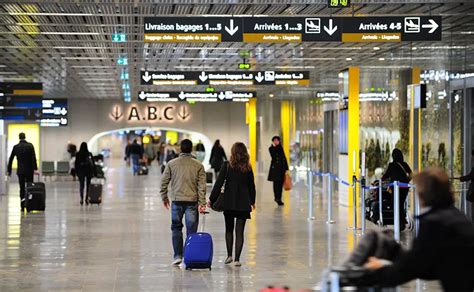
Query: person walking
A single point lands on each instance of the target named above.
(183, 188)
(217, 157)
(399, 170)
(200, 151)
(26, 158)
(85, 170)
(237, 179)
(135, 154)
(278, 168)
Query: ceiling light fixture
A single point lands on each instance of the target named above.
(376, 48)
(348, 59)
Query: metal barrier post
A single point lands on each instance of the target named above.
(396, 210)
(334, 279)
(354, 201)
(310, 195)
(330, 221)
(417, 211)
(362, 204)
(380, 203)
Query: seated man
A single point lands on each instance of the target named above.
(443, 250)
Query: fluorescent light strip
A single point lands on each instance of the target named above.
(91, 66)
(295, 67)
(315, 59)
(8, 73)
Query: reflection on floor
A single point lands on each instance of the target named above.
(125, 244)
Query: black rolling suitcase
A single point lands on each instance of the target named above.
(35, 197)
(95, 192)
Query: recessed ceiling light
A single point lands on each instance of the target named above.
(376, 48)
(271, 95)
(381, 59)
(348, 59)
(414, 48)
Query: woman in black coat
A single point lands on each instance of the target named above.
(85, 170)
(399, 170)
(278, 168)
(217, 157)
(236, 176)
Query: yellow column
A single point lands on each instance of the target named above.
(353, 129)
(286, 123)
(251, 119)
(415, 79)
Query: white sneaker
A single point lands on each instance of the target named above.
(177, 261)
(237, 264)
(228, 260)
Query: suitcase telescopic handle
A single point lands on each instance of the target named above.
(203, 225)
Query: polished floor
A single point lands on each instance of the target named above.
(125, 244)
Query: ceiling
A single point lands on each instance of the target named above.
(67, 45)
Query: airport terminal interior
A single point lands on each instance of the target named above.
(351, 88)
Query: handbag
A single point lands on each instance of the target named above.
(287, 183)
(218, 205)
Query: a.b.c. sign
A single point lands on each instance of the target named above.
(169, 113)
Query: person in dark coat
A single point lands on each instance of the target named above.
(444, 247)
(217, 157)
(85, 170)
(469, 177)
(26, 157)
(236, 176)
(399, 170)
(278, 168)
(135, 152)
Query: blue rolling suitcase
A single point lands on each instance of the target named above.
(198, 250)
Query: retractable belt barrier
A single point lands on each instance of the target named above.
(396, 190)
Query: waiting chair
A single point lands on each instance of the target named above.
(62, 168)
(47, 168)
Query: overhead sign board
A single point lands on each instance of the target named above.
(192, 29)
(20, 114)
(292, 29)
(225, 78)
(170, 96)
(54, 112)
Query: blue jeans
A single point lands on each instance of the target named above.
(191, 219)
(135, 163)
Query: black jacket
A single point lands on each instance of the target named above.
(135, 148)
(85, 165)
(239, 189)
(279, 163)
(25, 154)
(443, 250)
(217, 157)
(397, 171)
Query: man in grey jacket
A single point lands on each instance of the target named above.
(184, 183)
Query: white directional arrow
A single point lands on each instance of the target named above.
(232, 29)
(331, 29)
(142, 95)
(259, 77)
(182, 96)
(203, 77)
(63, 111)
(222, 96)
(146, 77)
(433, 25)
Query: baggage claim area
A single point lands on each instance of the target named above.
(102, 103)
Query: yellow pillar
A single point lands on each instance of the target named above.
(353, 129)
(251, 119)
(286, 124)
(415, 79)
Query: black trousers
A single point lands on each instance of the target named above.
(23, 179)
(84, 182)
(277, 189)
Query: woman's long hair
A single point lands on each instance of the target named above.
(397, 155)
(239, 158)
(83, 151)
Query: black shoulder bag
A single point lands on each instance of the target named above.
(218, 205)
